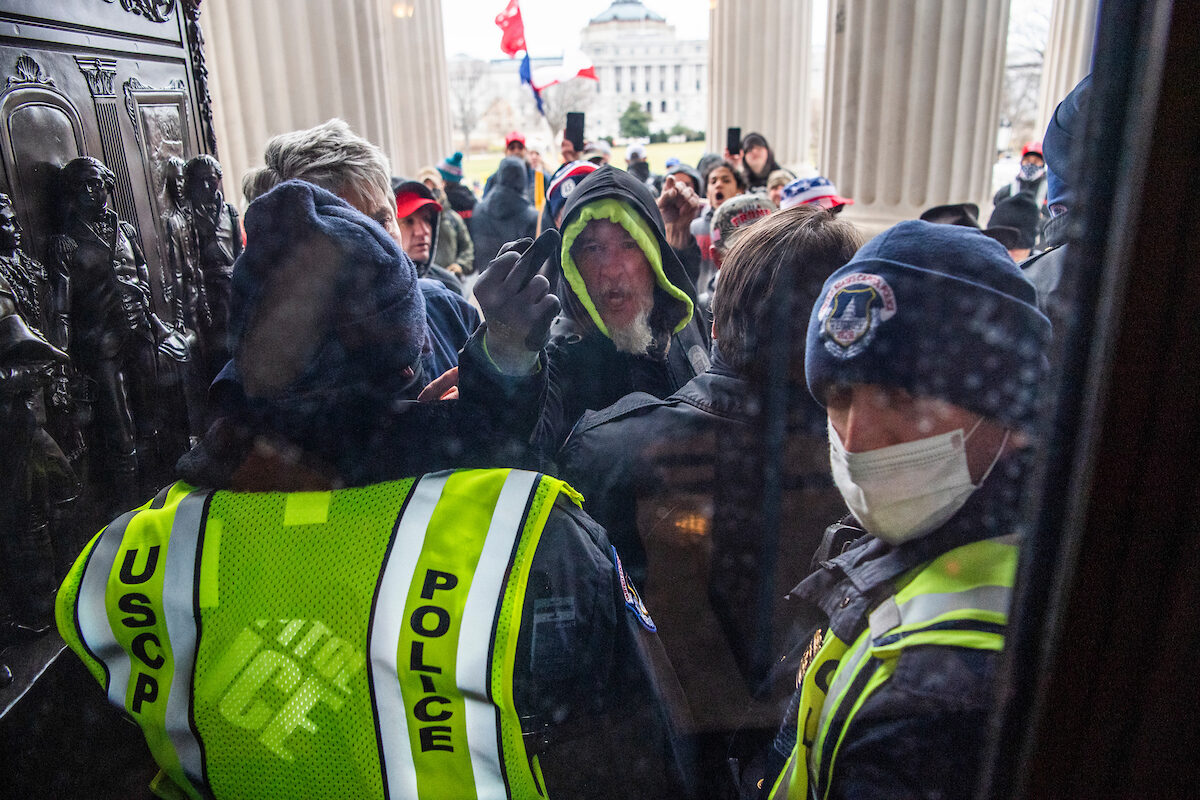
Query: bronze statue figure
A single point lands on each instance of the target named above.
(214, 243)
(104, 314)
(183, 294)
(37, 484)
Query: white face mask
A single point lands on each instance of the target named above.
(907, 490)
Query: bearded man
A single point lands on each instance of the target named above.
(630, 322)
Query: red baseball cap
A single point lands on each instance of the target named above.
(515, 136)
(409, 203)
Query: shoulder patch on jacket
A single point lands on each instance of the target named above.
(633, 601)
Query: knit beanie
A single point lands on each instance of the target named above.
(816, 189)
(734, 214)
(1065, 126)
(938, 310)
(564, 183)
(451, 168)
(321, 298)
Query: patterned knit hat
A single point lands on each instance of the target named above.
(737, 213)
(451, 168)
(812, 190)
(565, 181)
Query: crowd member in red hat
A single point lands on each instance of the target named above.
(419, 216)
(514, 147)
(1030, 180)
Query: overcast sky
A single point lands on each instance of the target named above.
(551, 26)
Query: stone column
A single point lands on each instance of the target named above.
(279, 65)
(1068, 53)
(758, 73)
(912, 93)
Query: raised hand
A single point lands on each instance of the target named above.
(517, 303)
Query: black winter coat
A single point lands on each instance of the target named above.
(652, 469)
(504, 215)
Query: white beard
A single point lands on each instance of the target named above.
(635, 337)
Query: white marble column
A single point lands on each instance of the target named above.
(1068, 53)
(912, 93)
(281, 65)
(758, 73)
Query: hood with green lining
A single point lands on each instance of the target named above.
(614, 195)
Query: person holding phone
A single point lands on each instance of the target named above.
(756, 160)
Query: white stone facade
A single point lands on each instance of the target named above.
(638, 59)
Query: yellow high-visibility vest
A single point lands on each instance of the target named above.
(352, 643)
(960, 599)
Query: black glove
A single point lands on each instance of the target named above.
(516, 300)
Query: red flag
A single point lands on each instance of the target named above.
(513, 39)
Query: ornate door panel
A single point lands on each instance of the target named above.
(119, 80)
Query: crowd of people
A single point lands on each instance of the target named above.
(605, 483)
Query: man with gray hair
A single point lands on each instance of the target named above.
(338, 160)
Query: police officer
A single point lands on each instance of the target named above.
(290, 624)
(926, 350)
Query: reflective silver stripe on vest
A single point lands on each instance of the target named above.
(400, 774)
(475, 645)
(179, 582)
(92, 611)
(888, 616)
(927, 607)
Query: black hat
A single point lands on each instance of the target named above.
(965, 214)
(1020, 213)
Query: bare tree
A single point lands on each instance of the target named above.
(573, 95)
(1029, 28)
(467, 89)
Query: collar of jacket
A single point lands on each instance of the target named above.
(1058, 229)
(848, 586)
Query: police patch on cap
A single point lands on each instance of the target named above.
(633, 601)
(852, 311)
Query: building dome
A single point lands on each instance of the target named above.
(626, 11)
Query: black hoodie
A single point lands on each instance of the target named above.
(586, 371)
(504, 215)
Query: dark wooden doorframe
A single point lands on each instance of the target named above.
(1097, 699)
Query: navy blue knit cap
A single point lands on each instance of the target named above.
(1065, 127)
(938, 310)
(367, 321)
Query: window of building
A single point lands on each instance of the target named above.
(649, 106)
(664, 106)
